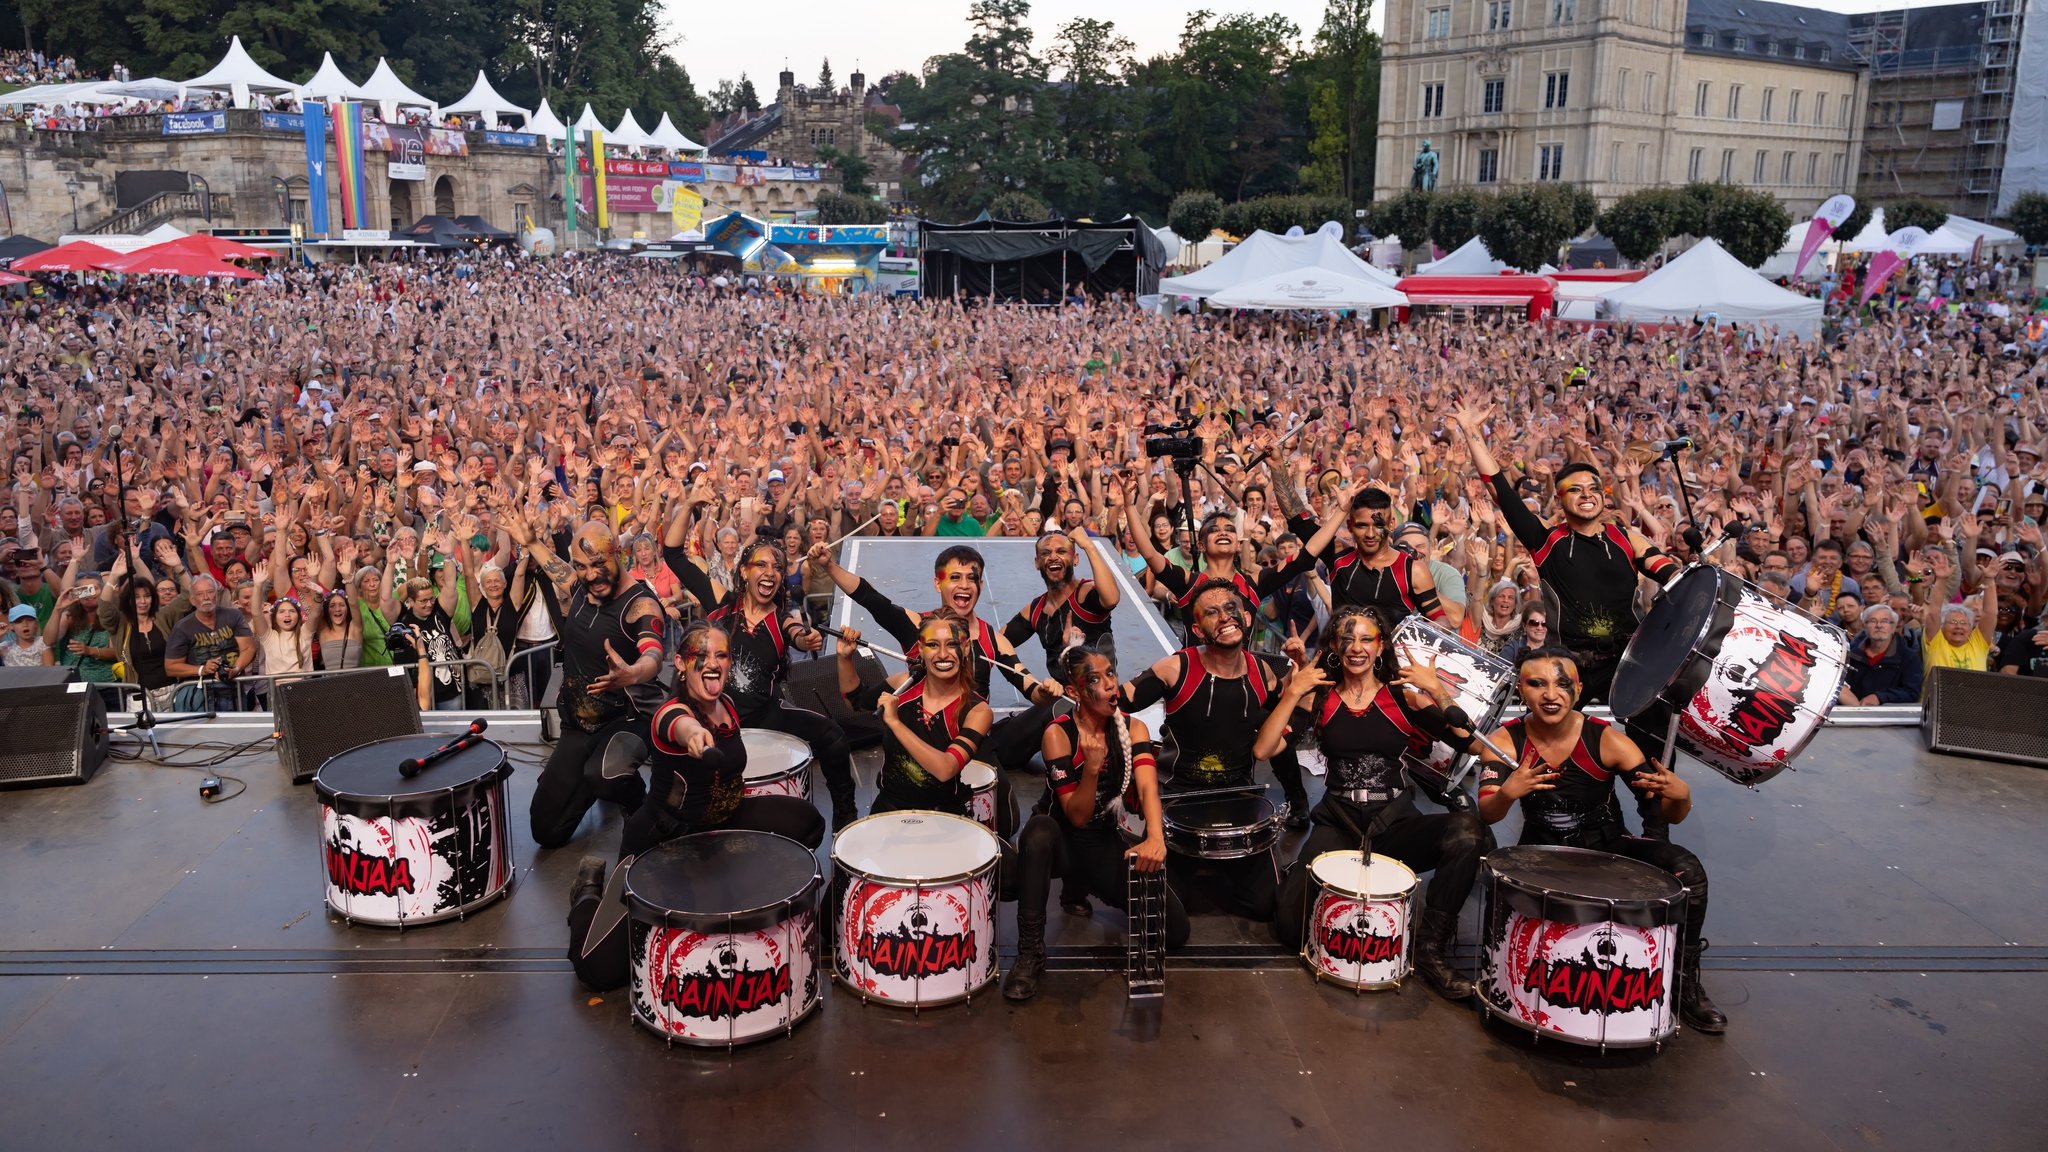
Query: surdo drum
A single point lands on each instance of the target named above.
(399, 852)
(916, 899)
(980, 781)
(1580, 945)
(1221, 827)
(1359, 918)
(724, 936)
(1752, 679)
(778, 764)
(1478, 681)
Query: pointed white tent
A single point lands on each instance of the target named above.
(1873, 238)
(545, 124)
(1310, 289)
(1707, 280)
(390, 93)
(238, 75)
(483, 100)
(329, 83)
(1262, 254)
(629, 133)
(1471, 259)
(667, 135)
(588, 122)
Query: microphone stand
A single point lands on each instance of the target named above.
(146, 720)
(1684, 497)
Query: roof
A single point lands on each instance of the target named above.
(1803, 37)
(667, 135)
(330, 83)
(237, 68)
(384, 85)
(545, 123)
(484, 100)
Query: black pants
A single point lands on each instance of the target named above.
(571, 781)
(1447, 843)
(1093, 858)
(606, 962)
(1596, 674)
(827, 743)
(1682, 864)
(1014, 740)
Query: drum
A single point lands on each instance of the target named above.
(778, 764)
(724, 936)
(1221, 827)
(1580, 945)
(916, 899)
(1752, 679)
(1358, 920)
(980, 781)
(401, 852)
(1478, 681)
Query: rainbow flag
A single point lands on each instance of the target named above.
(604, 216)
(348, 163)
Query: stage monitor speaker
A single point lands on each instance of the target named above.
(53, 728)
(1986, 715)
(323, 716)
(814, 684)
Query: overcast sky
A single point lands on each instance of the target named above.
(900, 36)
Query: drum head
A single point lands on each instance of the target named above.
(712, 875)
(1579, 886)
(1676, 629)
(771, 753)
(977, 775)
(370, 772)
(915, 846)
(1221, 812)
(1343, 871)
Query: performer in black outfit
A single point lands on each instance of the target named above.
(1373, 572)
(1369, 713)
(1566, 765)
(763, 629)
(611, 653)
(1097, 760)
(700, 764)
(1068, 606)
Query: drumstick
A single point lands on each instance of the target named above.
(853, 530)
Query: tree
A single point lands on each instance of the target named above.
(1857, 220)
(1220, 118)
(744, 98)
(1193, 215)
(1914, 212)
(1454, 216)
(1097, 166)
(1405, 215)
(1348, 55)
(981, 128)
(1525, 225)
(825, 75)
(1583, 206)
(1638, 223)
(1749, 224)
(854, 169)
(1325, 174)
(185, 38)
(2029, 217)
(1019, 206)
(840, 208)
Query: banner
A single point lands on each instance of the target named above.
(1899, 248)
(407, 146)
(348, 159)
(569, 182)
(685, 207)
(631, 194)
(721, 173)
(314, 123)
(194, 123)
(597, 174)
(1822, 226)
(829, 234)
(447, 142)
(777, 173)
(284, 121)
(686, 173)
(512, 139)
(807, 175)
(748, 177)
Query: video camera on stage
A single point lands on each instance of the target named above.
(1175, 441)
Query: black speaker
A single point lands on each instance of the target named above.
(53, 728)
(814, 684)
(321, 716)
(1987, 715)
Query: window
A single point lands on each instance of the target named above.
(1799, 51)
(1740, 44)
(1614, 162)
(1642, 163)
(1735, 101)
(1812, 169)
(1835, 171)
(1727, 165)
(1649, 91)
(1489, 165)
(1948, 114)
(1770, 47)
(1432, 100)
(1792, 107)
(1820, 109)
(1785, 170)
(1699, 101)
(1494, 94)
(1706, 39)
(1436, 24)
(1762, 158)
(1770, 98)
(1842, 114)
(300, 213)
(1564, 11)
(1550, 162)
(1824, 53)
(1555, 87)
(1498, 14)
(1621, 91)
(1692, 166)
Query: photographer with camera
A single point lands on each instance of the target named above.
(207, 650)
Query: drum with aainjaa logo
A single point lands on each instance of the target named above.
(916, 896)
(402, 851)
(1359, 920)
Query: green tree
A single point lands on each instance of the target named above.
(96, 33)
(981, 128)
(1525, 225)
(839, 208)
(1193, 215)
(825, 75)
(1914, 212)
(2029, 216)
(1019, 206)
(744, 98)
(1749, 224)
(1348, 55)
(1406, 215)
(1220, 119)
(1638, 223)
(1098, 166)
(1583, 206)
(1327, 147)
(1454, 216)
(1857, 220)
(186, 37)
(854, 170)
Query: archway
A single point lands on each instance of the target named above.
(444, 197)
(401, 204)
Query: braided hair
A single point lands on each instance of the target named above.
(1073, 664)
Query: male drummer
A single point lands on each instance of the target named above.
(1068, 605)
(1563, 775)
(1373, 571)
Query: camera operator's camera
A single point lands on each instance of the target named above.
(1176, 441)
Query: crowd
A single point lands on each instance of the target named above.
(20, 68)
(334, 467)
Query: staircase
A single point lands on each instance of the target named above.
(163, 208)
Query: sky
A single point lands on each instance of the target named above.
(901, 35)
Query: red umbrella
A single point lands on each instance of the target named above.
(169, 260)
(77, 256)
(217, 247)
(10, 278)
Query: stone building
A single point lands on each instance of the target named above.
(804, 119)
(1618, 95)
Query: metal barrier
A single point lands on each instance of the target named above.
(249, 684)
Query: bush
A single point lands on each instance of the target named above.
(1749, 224)
(1454, 216)
(2029, 217)
(1638, 223)
(1019, 207)
(840, 208)
(1193, 215)
(1278, 213)
(1524, 226)
(1583, 206)
(1405, 215)
(1914, 212)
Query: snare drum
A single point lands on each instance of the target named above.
(916, 903)
(1478, 681)
(1221, 827)
(1752, 679)
(1581, 945)
(724, 936)
(401, 852)
(1358, 920)
(980, 782)
(778, 764)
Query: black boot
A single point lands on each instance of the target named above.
(1021, 982)
(1294, 813)
(1433, 943)
(844, 809)
(1694, 1007)
(1074, 899)
(589, 883)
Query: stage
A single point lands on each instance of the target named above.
(173, 980)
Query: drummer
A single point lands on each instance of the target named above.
(699, 775)
(1069, 605)
(1564, 771)
(1097, 759)
(1369, 713)
(1374, 571)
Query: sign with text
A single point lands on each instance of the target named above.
(194, 123)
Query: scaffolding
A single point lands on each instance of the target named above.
(1989, 117)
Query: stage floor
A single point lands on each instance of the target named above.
(173, 981)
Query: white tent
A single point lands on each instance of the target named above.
(1262, 254)
(1471, 259)
(147, 88)
(124, 243)
(1707, 280)
(1319, 289)
(1946, 241)
(629, 133)
(1779, 264)
(87, 92)
(588, 122)
(483, 100)
(1874, 237)
(545, 124)
(1993, 235)
(328, 83)
(238, 75)
(667, 135)
(390, 93)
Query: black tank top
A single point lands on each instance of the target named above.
(1082, 607)
(712, 786)
(1213, 721)
(1363, 748)
(1582, 811)
(1066, 775)
(1388, 589)
(760, 657)
(587, 625)
(905, 784)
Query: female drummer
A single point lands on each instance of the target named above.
(1096, 756)
(1368, 713)
(699, 767)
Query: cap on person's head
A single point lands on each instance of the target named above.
(775, 476)
(1411, 526)
(2011, 558)
(2033, 450)
(697, 467)
(1808, 400)
(424, 466)
(21, 612)
(315, 386)
(1057, 444)
(1987, 553)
